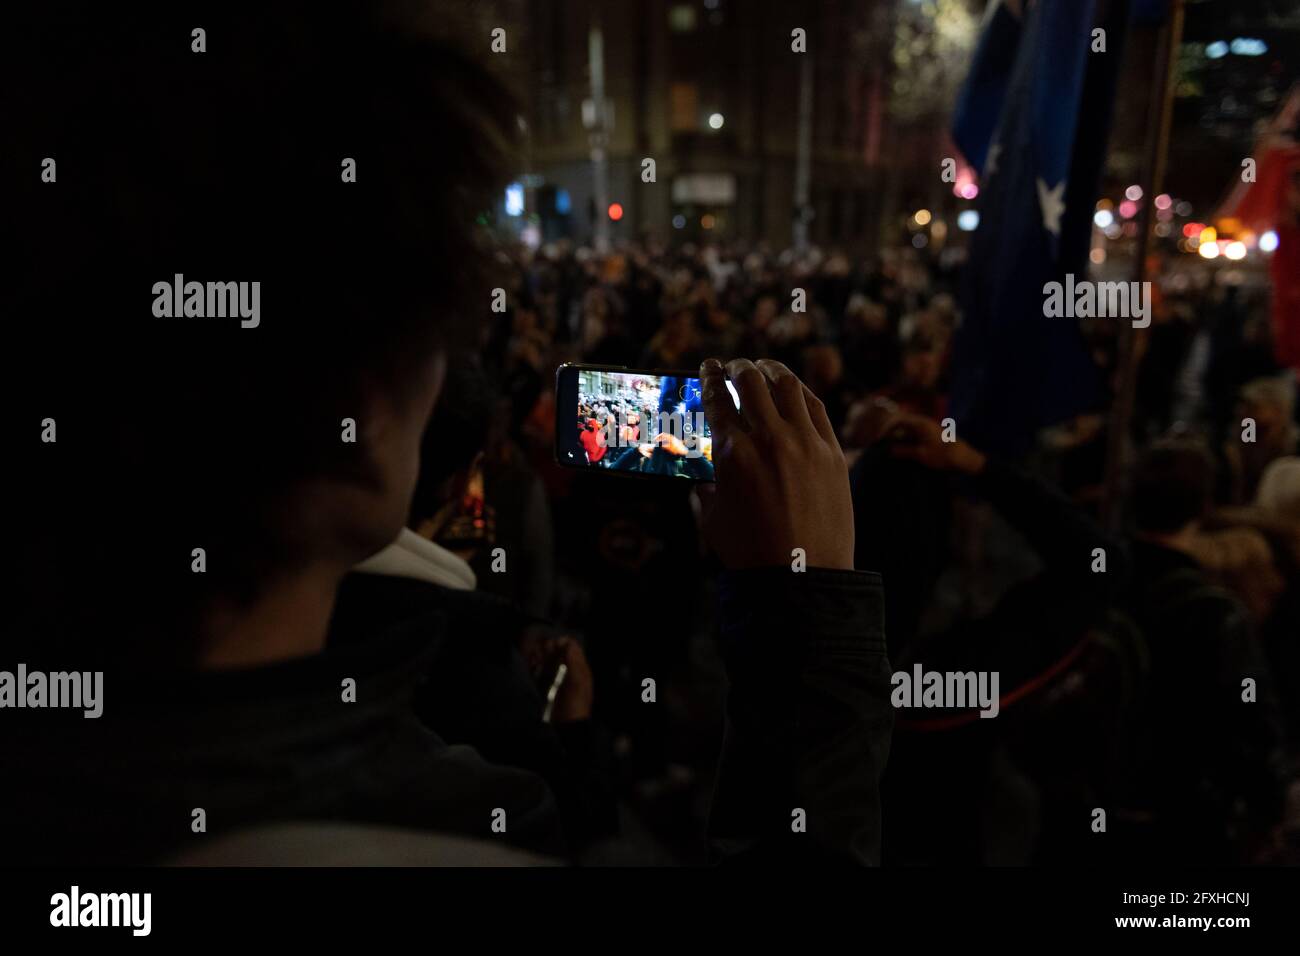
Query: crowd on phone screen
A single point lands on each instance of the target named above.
(600, 419)
(550, 649)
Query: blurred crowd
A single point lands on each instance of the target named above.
(1100, 680)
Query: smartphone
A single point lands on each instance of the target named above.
(640, 422)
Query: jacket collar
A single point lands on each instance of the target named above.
(412, 556)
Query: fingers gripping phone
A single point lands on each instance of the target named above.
(623, 421)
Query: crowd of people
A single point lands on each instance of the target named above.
(347, 606)
(1201, 522)
(643, 423)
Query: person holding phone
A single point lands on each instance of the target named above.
(206, 593)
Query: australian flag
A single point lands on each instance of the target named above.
(1033, 119)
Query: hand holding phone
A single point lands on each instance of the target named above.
(782, 482)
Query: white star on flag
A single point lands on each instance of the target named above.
(1052, 203)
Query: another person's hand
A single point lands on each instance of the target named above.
(543, 655)
(865, 420)
(577, 693)
(782, 482)
(920, 439)
(671, 444)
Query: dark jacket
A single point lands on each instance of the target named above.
(273, 744)
(808, 729)
(477, 691)
(1200, 760)
(939, 794)
(808, 717)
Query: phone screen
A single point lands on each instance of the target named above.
(625, 421)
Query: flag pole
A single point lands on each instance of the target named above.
(1156, 155)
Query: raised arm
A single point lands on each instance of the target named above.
(808, 712)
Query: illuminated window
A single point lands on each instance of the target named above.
(681, 17)
(683, 106)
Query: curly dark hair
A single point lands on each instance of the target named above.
(224, 165)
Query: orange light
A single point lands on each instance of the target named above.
(615, 211)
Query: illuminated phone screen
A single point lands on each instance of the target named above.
(633, 422)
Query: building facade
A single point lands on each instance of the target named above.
(710, 90)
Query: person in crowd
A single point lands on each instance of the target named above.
(675, 345)
(947, 780)
(823, 368)
(1265, 429)
(593, 440)
(629, 433)
(260, 465)
(917, 387)
(667, 455)
(1202, 774)
(483, 686)
(870, 345)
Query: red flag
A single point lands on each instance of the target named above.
(1272, 203)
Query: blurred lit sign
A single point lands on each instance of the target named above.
(1240, 46)
(707, 189)
(1249, 46)
(515, 199)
